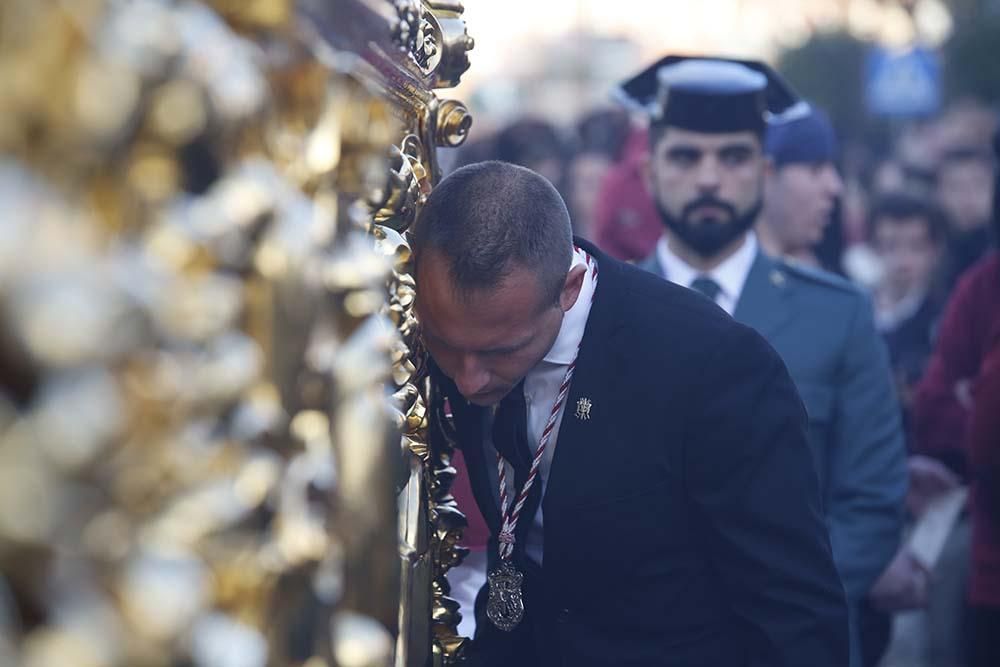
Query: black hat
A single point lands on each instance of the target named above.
(711, 94)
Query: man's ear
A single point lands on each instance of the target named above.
(571, 288)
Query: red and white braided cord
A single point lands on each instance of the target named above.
(509, 523)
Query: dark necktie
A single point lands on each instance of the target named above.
(510, 433)
(706, 286)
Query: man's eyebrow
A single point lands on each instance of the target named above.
(735, 147)
(684, 150)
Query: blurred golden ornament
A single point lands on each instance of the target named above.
(257, 14)
(178, 112)
(360, 642)
(163, 592)
(106, 98)
(54, 648)
(197, 440)
(153, 173)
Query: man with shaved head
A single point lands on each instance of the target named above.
(640, 457)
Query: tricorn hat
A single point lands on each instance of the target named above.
(711, 94)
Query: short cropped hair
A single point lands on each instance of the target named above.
(895, 207)
(489, 217)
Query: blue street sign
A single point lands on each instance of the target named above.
(903, 83)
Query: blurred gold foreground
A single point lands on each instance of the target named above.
(213, 424)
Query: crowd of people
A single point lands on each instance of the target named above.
(876, 280)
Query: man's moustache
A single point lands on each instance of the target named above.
(708, 201)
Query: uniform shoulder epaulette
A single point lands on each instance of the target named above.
(798, 270)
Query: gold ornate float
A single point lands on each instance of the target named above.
(213, 422)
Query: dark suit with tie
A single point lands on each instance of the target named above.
(823, 328)
(682, 520)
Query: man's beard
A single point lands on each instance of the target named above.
(708, 236)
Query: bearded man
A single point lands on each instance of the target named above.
(706, 173)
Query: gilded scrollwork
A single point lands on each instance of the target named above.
(434, 37)
(406, 29)
(430, 523)
(205, 289)
(452, 43)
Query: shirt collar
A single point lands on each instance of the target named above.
(731, 275)
(567, 343)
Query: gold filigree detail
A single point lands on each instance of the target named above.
(433, 36)
(206, 287)
(453, 124)
(406, 30)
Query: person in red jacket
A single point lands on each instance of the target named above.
(626, 224)
(984, 472)
(944, 396)
(956, 422)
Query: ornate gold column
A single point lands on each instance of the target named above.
(204, 295)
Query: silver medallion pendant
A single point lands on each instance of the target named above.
(505, 607)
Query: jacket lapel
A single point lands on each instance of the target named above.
(591, 393)
(764, 303)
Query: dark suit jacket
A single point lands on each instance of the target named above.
(683, 521)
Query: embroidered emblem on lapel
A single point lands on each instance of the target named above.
(583, 409)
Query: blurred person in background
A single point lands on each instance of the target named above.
(706, 173)
(953, 413)
(535, 144)
(883, 174)
(908, 235)
(600, 137)
(801, 187)
(965, 191)
(477, 148)
(917, 150)
(984, 471)
(626, 224)
(887, 176)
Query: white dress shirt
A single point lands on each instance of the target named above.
(731, 275)
(541, 387)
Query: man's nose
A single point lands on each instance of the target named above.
(471, 377)
(708, 175)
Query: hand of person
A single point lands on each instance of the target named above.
(902, 586)
(928, 480)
